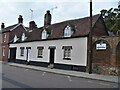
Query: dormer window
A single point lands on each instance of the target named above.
(68, 31)
(23, 37)
(44, 34)
(15, 38)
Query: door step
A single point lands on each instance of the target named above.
(50, 66)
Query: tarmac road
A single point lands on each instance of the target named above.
(16, 77)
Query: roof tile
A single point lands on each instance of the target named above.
(82, 28)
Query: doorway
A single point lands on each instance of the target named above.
(52, 54)
(12, 55)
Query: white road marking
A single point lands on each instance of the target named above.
(69, 78)
(90, 82)
(43, 73)
(26, 69)
(100, 83)
(105, 84)
(115, 86)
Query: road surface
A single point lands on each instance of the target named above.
(16, 77)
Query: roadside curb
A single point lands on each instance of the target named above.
(69, 73)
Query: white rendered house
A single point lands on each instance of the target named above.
(64, 44)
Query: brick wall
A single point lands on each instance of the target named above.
(18, 31)
(106, 61)
(5, 46)
(10, 36)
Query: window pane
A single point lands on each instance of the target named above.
(3, 52)
(4, 37)
(40, 52)
(67, 53)
(67, 31)
(22, 51)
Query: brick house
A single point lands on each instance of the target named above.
(7, 35)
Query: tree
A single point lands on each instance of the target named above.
(112, 19)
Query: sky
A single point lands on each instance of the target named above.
(61, 10)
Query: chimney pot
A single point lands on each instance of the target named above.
(32, 25)
(20, 19)
(2, 25)
(47, 18)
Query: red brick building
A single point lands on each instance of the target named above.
(7, 35)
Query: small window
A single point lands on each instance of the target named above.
(22, 51)
(44, 34)
(23, 37)
(67, 31)
(67, 52)
(40, 52)
(3, 51)
(4, 36)
(15, 38)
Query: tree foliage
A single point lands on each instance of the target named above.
(112, 19)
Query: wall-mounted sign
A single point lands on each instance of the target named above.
(101, 46)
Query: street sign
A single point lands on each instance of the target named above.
(101, 46)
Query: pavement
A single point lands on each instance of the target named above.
(107, 78)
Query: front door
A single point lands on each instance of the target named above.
(12, 55)
(52, 54)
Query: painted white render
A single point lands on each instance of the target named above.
(78, 51)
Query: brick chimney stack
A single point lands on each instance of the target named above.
(20, 19)
(32, 25)
(2, 25)
(47, 18)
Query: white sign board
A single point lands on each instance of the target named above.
(100, 46)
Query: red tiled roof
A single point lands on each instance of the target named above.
(82, 28)
(8, 28)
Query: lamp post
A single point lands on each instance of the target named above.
(90, 41)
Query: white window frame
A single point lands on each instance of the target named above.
(22, 51)
(15, 38)
(40, 52)
(67, 31)
(23, 37)
(67, 52)
(44, 34)
(3, 51)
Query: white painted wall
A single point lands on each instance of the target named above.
(78, 54)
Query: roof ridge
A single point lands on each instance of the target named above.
(11, 25)
(75, 19)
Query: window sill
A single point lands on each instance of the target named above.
(66, 58)
(39, 56)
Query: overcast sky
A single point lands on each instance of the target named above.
(66, 10)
